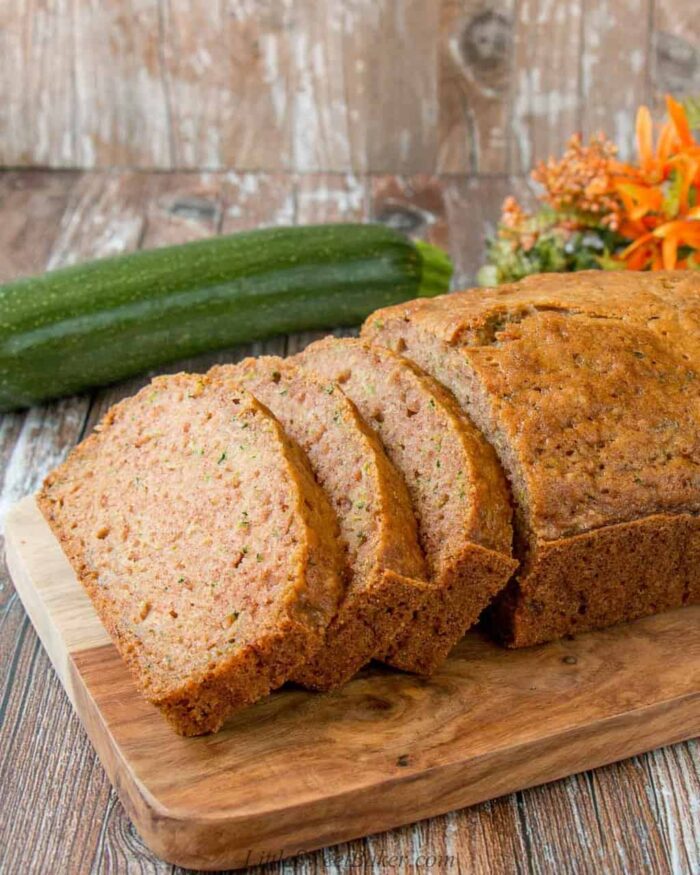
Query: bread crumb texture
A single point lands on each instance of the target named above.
(208, 549)
(454, 480)
(384, 565)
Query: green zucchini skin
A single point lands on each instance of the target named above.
(102, 321)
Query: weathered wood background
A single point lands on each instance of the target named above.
(420, 113)
(397, 86)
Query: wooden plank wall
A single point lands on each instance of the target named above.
(384, 86)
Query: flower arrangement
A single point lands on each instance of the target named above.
(598, 212)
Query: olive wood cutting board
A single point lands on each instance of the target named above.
(301, 770)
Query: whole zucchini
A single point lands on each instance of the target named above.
(101, 321)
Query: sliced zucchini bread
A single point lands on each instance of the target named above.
(384, 564)
(457, 488)
(206, 545)
(587, 386)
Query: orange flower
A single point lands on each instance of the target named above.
(675, 234)
(679, 120)
(659, 197)
(513, 215)
(580, 183)
(645, 139)
(598, 210)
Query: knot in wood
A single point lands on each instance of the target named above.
(485, 47)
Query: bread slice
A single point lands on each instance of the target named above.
(384, 564)
(587, 386)
(457, 488)
(208, 549)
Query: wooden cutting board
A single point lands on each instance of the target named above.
(301, 770)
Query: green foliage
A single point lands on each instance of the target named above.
(692, 111)
(515, 253)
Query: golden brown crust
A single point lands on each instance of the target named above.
(586, 384)
(601, 578)
(368, 620)
(452, 609)
(202, 706)
(384, 562)
(143, 509)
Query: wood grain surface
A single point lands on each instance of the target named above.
(638, 816)
(301, 770)
(393, 86)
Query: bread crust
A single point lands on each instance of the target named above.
(466, 587)
(133, 509)
(587, 386)
(604, 577)
(367, 622)
(384, 567)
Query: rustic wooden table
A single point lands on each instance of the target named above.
(58, 811)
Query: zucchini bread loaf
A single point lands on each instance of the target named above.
(384, 564)
(208, 549)
(457, 488)
(587, 385)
